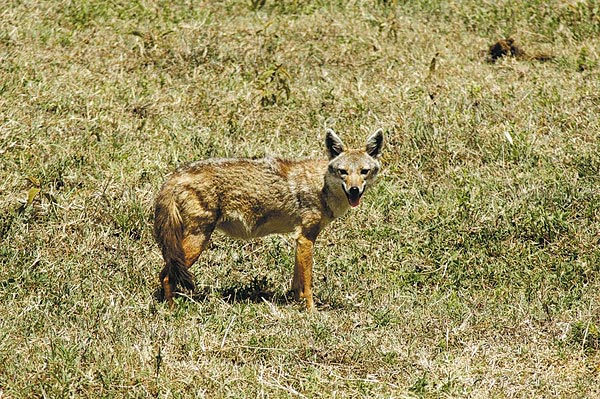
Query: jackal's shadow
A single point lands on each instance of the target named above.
(256, 290)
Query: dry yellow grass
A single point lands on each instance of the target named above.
(471, 270)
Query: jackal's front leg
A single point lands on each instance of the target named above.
(302, 281)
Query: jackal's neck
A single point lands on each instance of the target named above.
(334, 201)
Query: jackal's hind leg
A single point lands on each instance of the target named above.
(168, 286)
(172, 275)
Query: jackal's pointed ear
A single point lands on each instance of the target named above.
(374, 143)
(334, 144)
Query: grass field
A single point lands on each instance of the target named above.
(472, 269)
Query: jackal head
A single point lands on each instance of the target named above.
(352, 170)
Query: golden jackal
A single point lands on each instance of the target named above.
(249, 198)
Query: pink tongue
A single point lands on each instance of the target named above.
(354, 202)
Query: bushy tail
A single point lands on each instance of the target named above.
(169, 231)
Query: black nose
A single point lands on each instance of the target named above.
(354, 191)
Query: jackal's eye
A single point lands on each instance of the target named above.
(342, 172)
(364, 171)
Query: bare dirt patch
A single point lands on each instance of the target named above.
(508, 48)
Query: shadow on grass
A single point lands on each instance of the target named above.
(257, 290)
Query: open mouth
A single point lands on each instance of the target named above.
(353, 198)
